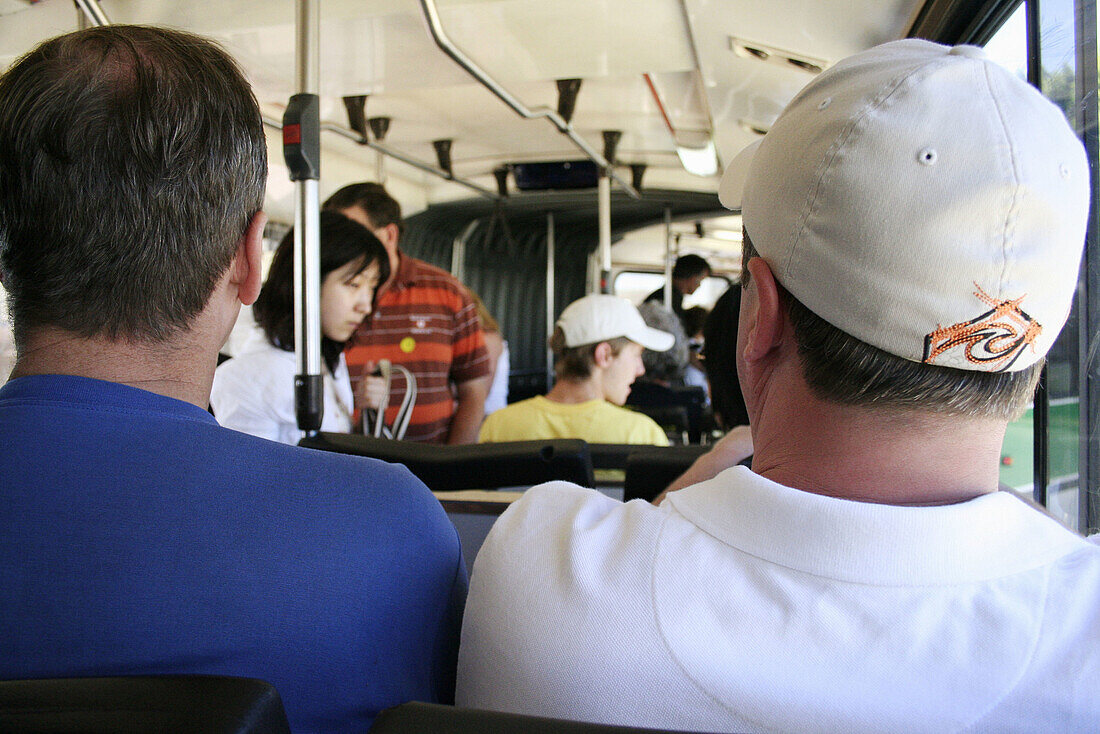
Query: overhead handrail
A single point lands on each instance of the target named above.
(435, 26)
(93, 12)
(397, 155)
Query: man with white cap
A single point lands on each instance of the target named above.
(597, 344)
(914, 222)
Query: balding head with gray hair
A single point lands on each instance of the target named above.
(669, 365)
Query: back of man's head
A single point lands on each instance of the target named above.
(689, 266)
(664, 364)
(131, 162)
(923, 211)
(381, 208)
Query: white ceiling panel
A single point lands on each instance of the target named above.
(382, 48)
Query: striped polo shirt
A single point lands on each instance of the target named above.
(425, 322)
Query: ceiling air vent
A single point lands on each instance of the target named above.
(762, 52)
(10, 7)
(752, 127)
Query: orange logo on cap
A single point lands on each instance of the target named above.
(993, 340)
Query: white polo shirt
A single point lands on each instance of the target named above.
(744, 605)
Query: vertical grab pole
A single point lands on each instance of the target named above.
(668, 257)
(302, 150)
(604, 201)
(550, 246)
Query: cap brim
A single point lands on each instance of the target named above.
(655, 339)
(737, 173)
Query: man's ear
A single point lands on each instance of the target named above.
(246, 267)
(389, 236)
(603, 356)
(766, 315)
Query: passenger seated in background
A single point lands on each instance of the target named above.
(720, 360)
(663, 367)
(694, 320)
(137, 535)
(688, 273)
(597, 346)
(865, 575)
(254, 391)
(662, 393)
(499, 362)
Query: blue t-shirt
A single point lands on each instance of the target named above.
(137, 536)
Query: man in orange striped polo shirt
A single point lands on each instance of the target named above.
(424, 320)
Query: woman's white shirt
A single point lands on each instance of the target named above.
(254, 393)
(498, 391)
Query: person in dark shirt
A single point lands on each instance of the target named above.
(687, 275)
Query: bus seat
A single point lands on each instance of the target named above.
(673, 420)
(659, 403)
(478, 466)
(167, 704)
(615, 455)
(652, 468)
(415, 717)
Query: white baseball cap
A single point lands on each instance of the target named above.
(924, 200)
(600, 317)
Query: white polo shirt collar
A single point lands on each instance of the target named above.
(869, 543)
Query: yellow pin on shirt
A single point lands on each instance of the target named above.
(407, 344)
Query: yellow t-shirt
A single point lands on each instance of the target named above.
(595, 421)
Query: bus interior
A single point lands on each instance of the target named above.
(500, 124)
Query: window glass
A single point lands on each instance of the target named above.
(709, 291)
(1058, 83)
(636, 285)
(1008, 47)
(1058, 58)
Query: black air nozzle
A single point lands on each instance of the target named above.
(502, 180)
(637, 171)
(379, 126)
(443, 154)
(610, 144)
(567, 97)
(357, 113)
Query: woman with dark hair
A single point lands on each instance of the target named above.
(254, 391)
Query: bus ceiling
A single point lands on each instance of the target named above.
(662, 87)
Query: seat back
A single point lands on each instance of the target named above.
(480, 466)
(416, 717)
(652, 468)
(142, 705)
(660, 403)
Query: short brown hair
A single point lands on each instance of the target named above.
(576, 363)
(132, 160)
(381, 208)
(842, 369)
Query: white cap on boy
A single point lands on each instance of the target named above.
(600, 317)
(924, 200)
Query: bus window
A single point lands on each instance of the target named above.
(1057, 80)
(1050, 432)
(636, 285)
(1008, 47)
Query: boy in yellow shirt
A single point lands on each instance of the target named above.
(597, 343)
